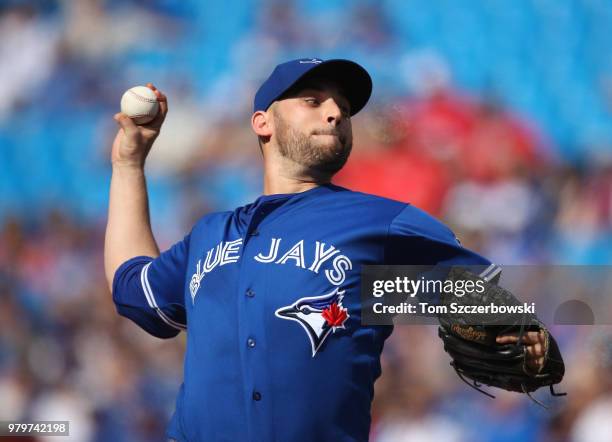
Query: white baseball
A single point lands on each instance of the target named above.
(140, 104)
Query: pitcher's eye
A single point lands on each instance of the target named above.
(311, 100)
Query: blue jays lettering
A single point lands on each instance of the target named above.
(318, 315)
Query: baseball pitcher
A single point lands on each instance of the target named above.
(269, 294)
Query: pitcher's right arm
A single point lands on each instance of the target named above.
(128, 230)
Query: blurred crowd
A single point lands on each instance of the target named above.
(511, 148)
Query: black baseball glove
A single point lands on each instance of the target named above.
(470, 340)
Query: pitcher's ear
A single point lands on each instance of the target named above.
(261, 122)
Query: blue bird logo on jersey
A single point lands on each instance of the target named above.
(318, 315)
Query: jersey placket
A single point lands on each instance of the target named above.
(251, 331)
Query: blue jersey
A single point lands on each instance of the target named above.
(270, 297)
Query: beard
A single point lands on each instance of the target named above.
(310, 152)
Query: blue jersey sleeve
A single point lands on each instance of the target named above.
(150, 291)
(416, 238)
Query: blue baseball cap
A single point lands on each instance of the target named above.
(353, 79)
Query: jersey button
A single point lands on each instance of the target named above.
(250, 293)
(251, 342)
(256, 396)
(255, 233)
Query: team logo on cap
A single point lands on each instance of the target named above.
(318, 315)
(312, 60)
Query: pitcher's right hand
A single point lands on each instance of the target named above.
(133, 142)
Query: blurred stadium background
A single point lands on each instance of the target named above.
(493, 115)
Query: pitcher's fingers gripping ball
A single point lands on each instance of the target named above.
(141, 104)
(134, 138)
